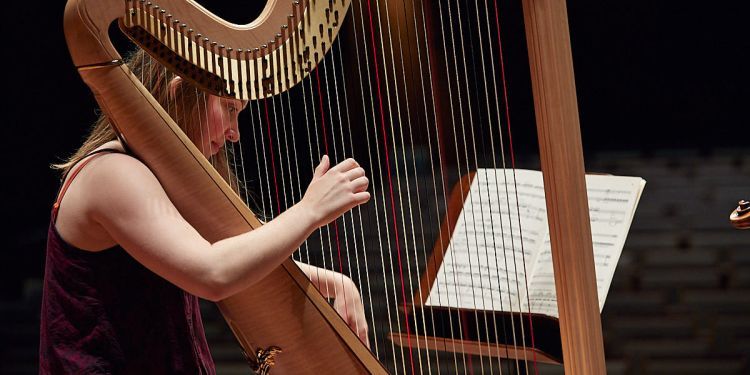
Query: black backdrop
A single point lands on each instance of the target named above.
(651, 75)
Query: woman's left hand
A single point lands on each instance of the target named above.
(348, 304)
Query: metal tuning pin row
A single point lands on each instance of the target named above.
(244, 73)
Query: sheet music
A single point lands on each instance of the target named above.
(612, 202)
(483, 267)
(487, 239)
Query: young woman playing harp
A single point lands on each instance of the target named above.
(124, 269)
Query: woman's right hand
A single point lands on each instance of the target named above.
(334, 191)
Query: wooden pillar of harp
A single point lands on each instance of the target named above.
(561, 155)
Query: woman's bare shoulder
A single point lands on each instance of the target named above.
(122, 182)
(110, 186)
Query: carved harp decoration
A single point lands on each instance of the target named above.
(283, 323)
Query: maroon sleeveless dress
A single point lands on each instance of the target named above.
(105, 313)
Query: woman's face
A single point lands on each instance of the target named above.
(220, 124)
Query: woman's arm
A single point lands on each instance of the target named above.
(126, 199)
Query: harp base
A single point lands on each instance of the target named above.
(485, 333)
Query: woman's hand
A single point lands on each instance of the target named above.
(348, 304)
(334, 191)
(346, 299)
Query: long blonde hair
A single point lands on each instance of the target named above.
(184, 102)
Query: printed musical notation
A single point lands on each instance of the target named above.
(500, 257)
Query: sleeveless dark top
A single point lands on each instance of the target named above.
(105, 313)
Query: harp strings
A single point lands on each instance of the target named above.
(343, 146)
(384, 134)
(493, 154)
(331, 124)
(396, 115)
(434, 179)
(483, 83)
(327, 128)
(506, 103)
(375, 196)
(466, 158)
(399, 213)
(482, 218)
(435, 212)
(379, 202)
(412, 213)
(449, 76)
(300, 187)
(358, 209)
(407, 216)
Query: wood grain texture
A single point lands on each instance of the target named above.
(559, 134)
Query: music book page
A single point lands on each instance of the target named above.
(499, 257)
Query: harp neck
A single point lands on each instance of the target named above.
(262, 58)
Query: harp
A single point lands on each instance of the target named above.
(272, 56)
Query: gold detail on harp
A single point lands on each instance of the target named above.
(263, 359)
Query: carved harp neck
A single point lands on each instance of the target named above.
(242, 61)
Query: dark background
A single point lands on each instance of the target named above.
(652, 77)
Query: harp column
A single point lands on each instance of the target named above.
(561, 153)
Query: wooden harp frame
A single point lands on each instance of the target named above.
(309, 327)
